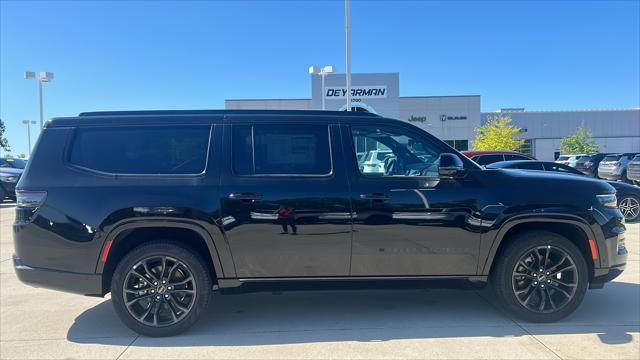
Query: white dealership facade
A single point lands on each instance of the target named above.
(455, 118)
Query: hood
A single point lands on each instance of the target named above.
(533, 187)
(625, 188)
(10, 171)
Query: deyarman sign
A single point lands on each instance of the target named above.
(359, 92)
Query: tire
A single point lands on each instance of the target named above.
(556, 306)
(173, 308)
(629, 206)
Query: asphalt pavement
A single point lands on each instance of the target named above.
(358, 324)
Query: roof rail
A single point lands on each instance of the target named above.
(224, 112)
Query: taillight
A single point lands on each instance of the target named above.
(617, 163)
(588, 164)
(30, 199)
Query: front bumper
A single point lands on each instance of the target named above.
(613, 258)
(78, 283)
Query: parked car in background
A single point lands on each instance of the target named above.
(588, 164)
(633, 170)
(374, 161)
(614, 166)
(8, 178)
(628, 195)
(13, 163)
(489, 157)
(569, 159)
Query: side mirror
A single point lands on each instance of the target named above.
(451, 167)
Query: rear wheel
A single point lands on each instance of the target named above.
(540, 277)
(160, 288)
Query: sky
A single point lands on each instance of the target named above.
(116, 55)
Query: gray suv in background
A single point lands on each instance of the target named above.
(633, 170)
(614, 166)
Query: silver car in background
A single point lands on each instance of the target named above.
(569, 159)
(633, 170)
(614, 166)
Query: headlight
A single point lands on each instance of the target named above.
(8, 178)
(608, 200)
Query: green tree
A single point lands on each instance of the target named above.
(498, 134)
(4, 144)
(579, 143)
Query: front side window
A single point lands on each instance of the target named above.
(515, 157)
(394, 152)
(488, 159)
(142, 149)
(281, 150)
(530, 165)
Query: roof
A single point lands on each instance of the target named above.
(196, 116)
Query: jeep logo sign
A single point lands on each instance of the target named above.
(357, 92)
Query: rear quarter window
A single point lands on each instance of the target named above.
(170, 150)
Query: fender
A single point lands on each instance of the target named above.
(228, 270)
(532, 217)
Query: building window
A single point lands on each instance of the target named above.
(460, 145)
(526, 147)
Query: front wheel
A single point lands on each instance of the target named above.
(160, 288)
(540, 277)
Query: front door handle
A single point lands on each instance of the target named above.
(375, 196)
(246, 196)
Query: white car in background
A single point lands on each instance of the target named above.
(569, 159)
(374, 161)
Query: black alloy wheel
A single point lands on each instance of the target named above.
(545, 279)
(161, 288)
(540, 276)
(159, 291)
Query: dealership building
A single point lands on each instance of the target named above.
(455, 118)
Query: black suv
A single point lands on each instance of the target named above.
(162, 207)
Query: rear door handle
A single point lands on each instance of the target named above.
(375, 196)
(244, 196)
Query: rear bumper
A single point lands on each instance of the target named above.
(78, 283)
(610, 173)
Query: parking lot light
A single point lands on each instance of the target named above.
(42, 77)
(322, 71)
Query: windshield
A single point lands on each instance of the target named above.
(563, 158)
(636, 158)
(611, 158)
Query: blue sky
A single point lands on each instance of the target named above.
(180, 55)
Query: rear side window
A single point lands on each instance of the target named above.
(281, 150)
(488, 159)
(515, 157)
(530, 166)
(142, 149)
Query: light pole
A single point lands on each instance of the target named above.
(322, 71)
(43, 77)
(29, 123)
(347, 31)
